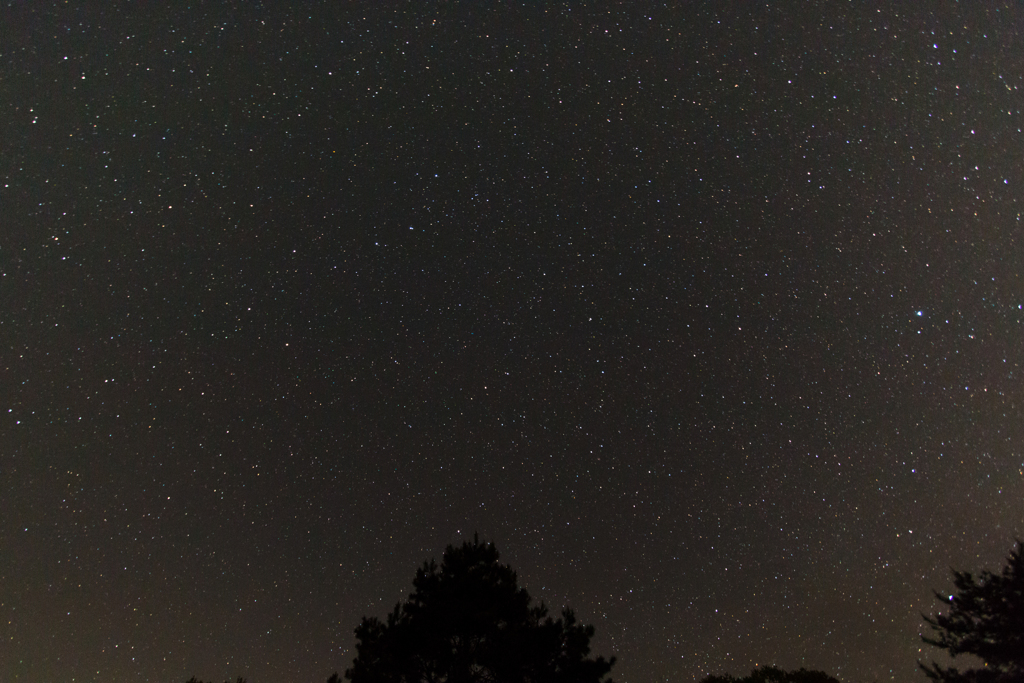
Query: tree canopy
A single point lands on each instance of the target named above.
(468, 621)
(771, 674)
(984, 618)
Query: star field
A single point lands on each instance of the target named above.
(709, 315)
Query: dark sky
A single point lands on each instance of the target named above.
(709, 315)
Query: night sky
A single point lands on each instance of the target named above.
(709, 315)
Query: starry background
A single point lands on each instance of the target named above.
(709, 315)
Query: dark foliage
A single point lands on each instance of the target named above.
(469, 622)
(196, 680)
(771, 674)
(985, 618)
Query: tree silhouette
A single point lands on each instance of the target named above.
(985, 619)
(468, 621)
(771, 674)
